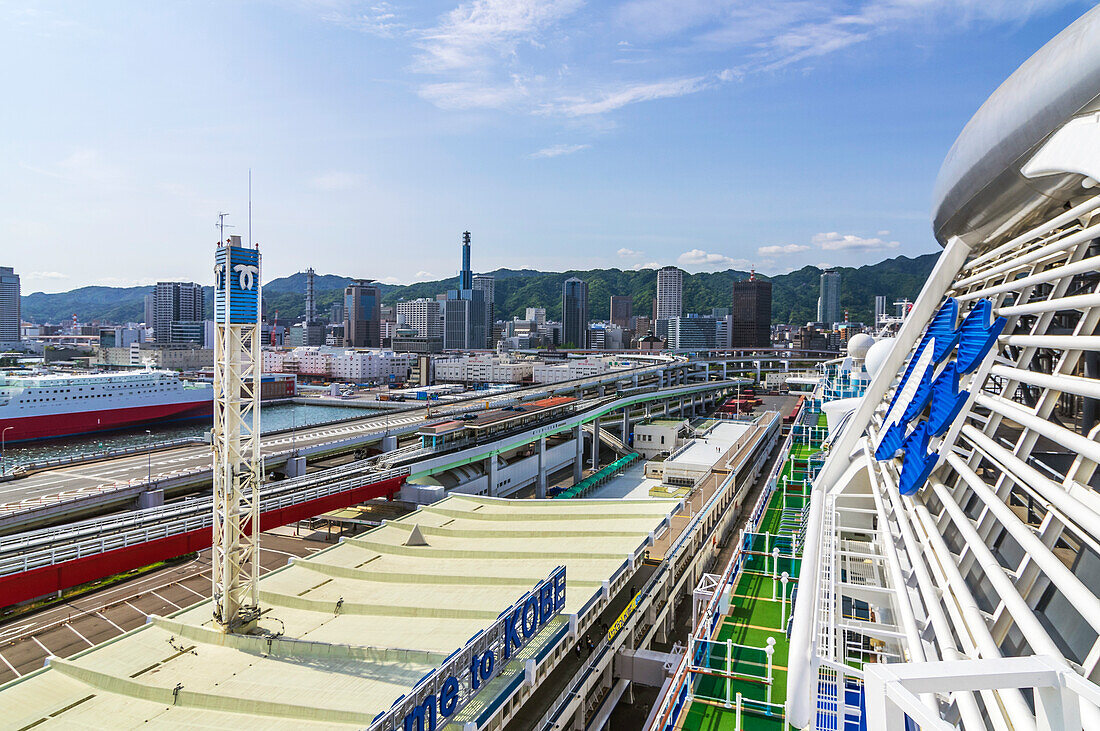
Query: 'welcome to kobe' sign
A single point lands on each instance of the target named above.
(446, 690)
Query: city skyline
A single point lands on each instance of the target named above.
(486, 124)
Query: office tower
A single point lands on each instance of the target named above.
(464, 321)
(362, 314)
(752, 313)
(696, 333)
(336, 314)
(487, 284)
(464, 310)
(880, 308)
(423, 315)
(536, 315)
(10, 314)
(670, 293)
(622, 309)
(150, 309)
(828, 303)
(574, 313)
(176, 302)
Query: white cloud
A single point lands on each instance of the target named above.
(779, 34)
(834, 241)
(47, 275)
(558, 150)
(697, 258)
(480, 33)
(390, 280)
(780, 250)
(625, 253)
(425, 275)
(630, 94)
(334, 180)
(466, 95)
(376, 17)
(647, 265)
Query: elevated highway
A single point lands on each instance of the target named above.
(40, 562)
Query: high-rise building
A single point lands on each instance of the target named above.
(670, 293)
(176, 302)
(362, 314)
(465, 313)
(828, 303)
(696, 333)
(622, 309)
(423, 315)
(10, 313)
(752, 313)
(487, 284)
(536, 315)
(574, 313)
(150, 309)
(466, 276)
(464, 320)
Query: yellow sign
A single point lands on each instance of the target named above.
(618, 623)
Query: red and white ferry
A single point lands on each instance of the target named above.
(46, 406)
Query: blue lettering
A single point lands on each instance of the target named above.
(530, 607)
(546, 600)
(488, 660)
(425, 712)
(475, 676)
(448, 697)
(559, 590)
(511, 633)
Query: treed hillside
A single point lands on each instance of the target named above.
(794, 295)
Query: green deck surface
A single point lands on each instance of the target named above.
(754, 615)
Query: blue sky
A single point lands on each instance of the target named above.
(564, 134)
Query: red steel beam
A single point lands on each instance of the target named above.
(15, 588)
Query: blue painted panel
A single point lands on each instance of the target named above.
(239, 268)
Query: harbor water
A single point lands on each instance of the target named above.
(274, 417)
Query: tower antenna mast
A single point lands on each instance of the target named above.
(222, 226)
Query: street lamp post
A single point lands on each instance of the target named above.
(149, 461)
(3, 465)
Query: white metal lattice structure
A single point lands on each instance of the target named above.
(996, 554)
(236, 437)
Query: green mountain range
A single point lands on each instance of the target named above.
(794, 295)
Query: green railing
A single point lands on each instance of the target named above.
(598, 478)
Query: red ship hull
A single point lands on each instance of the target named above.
(88, 422)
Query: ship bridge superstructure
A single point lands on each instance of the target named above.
(951, 563)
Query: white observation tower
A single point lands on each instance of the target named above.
(236, 439)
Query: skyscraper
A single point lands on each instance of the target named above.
(423, 315)
(313, 330)
(574, 313)
(487, 284)
(622, 309)
(670, 293)
(465, 278)
(10, 313)
(828, 304)
(752, 313)
(465, 310)
(176, 302)
(362, 314)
